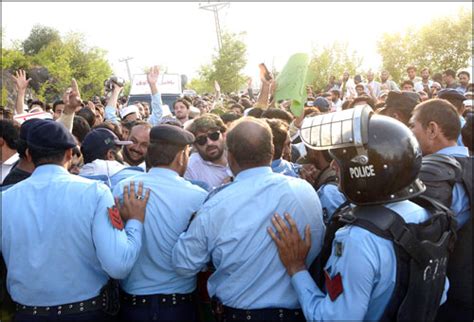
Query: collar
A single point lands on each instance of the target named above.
(164, 172)
(11, 160)
(253, 172)
(49, 169)
(456, 150)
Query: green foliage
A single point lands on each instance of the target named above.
(332, 60)
(200, 86)
(443, 43)
(225, 68)
(70, 58)
(40, 37)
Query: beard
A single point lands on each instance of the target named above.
(213, 156)
(130, 160)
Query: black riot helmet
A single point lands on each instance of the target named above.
(378, 157)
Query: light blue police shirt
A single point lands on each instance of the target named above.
(58, 241)
(231, 230)
(173, 200)
(331, 198)
(368, 269)
(284, 167)
(460, 200)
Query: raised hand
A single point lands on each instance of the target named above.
(21, 82)
(152, 76)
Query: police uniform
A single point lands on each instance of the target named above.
(230, 231)
(365, 275)
(361, 269)
(58, 240)
(153, 290)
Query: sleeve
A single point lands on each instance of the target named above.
(190, 254)
(357, 278)
(460, 205)
(116, 249)
(331, 198)
(110, 114)
(156, 109)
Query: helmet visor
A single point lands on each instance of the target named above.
(348, 128)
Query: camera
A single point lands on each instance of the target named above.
(109, 83)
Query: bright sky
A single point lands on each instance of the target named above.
(182, 37)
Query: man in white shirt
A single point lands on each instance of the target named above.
(209, 164)
(425, 83)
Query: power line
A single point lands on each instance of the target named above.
(215, 7)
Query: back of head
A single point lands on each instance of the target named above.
(48, 141)
(276, 113)
(80, 128)
(280, 136)
(9, 131)
(250, 143)
(166, 141)
(442, 113)
(88, 115)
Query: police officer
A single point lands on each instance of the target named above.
(447, 173)
(249, 282)
(363, 269)
(153, 290)
(61, 236)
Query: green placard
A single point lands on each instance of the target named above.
(292, 81)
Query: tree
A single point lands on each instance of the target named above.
(40, 37)
(71, 58)
(443, 43)
(225, 68)
(332, 60)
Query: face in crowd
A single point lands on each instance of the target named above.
(181, 111)
(135, 153)
(210, 144)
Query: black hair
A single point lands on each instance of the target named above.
(56, 103)
(40, 156)
(276, 113)
(10, 132)
(161, 153)
(80, 128)
(88, 115)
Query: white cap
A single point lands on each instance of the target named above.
(129, 110)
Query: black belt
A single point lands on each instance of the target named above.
(93, 304)
(162, 299)
(273, 314)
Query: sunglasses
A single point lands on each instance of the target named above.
(214, 136)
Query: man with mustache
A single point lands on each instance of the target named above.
(134, 154)
(209, 164)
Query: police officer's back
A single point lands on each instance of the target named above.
(153, 290)
(61, 235)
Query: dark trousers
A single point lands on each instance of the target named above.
(155, 311)
(269, 315)
(91, 316)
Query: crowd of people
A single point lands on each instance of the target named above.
(227, 207)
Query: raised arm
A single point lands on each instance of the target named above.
(156, 103)
(21, 84)
(111, 108)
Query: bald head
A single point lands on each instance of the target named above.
(250, 143)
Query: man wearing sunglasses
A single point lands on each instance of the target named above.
(209, 164)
